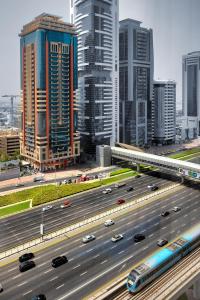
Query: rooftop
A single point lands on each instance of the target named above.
(48, 22)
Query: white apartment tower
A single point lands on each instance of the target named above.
(164, 112)
(97, 23)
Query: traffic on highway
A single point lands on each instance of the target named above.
(75, 267)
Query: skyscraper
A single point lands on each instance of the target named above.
(164, 112)
(48, 49)
(97, 23)
(136, 65)
(191, 86)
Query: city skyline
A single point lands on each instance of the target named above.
(169, 20)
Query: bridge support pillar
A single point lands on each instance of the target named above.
(138, 167)
(196, 290)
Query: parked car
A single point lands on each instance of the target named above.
(120, 201)
(19, 184)
(117, 237)
(138, 237)
(1, 288)
(58, 261)
(109, 223)
(26, 265)
(161, 242)
(48, 207)
(88, 238)
(165, 213)
(65, 181)
(65, 204)
(107, 191)
(25, 257)
(130, 189)
(176, 208)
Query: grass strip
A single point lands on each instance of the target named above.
(4, 211)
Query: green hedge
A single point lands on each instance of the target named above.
(47, 193)
(185, 153)
(121, 171)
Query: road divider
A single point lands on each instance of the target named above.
(83, 223)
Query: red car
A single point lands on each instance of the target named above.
(120, 201)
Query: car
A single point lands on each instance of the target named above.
(26, 265)
(39, 297)
(120, 201)
(88, 238)
(58, 261)
(42, 181)
(119, 185)
(138, 176)
(48, 207)
(176, 208)
(162, 242)
(109, 223)
(107, 191)
(65, 204)
(79, 175)
(130, 189)
(25, 257)
(1, 288)
(152, 187)
(138, 237)
(117, 237)
(19, 184)
(69, 181)
(65, 181)
(165, 213)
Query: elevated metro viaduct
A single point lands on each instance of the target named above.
(183, 168)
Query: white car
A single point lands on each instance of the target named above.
(65, 181)
(88, 238)
(42, 181)
(48, 207)
(117, 237)
(150, 186)
(107, 191)
(109, 223)
(176, 208)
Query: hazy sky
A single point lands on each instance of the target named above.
(175, 23)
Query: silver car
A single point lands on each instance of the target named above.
(88, 238)
(117, 237)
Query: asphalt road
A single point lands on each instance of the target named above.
(17, 229)
(95, 263)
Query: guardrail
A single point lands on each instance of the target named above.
(65, 230)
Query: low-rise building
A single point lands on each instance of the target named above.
(9, 144)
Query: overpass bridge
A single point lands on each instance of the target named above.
(183, 168)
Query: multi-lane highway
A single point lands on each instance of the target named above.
(23, 227)
(99, 261)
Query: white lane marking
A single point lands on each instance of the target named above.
(157, 223)
(164, 228)
(71, 259)
(151, 235)
(173, 231)
(83, 273)
(16, 276)
(121, 252)
(129, 238)
(103, 262)
(185, 215)
(113, 247)
(54, 278)
(58, 287)
(57, 249)
(76, 267)
(22, 283)
(90, 250)
(30, 291)
(11, 269)
(47, 271)
(145, 247)
(44, 263)
(81, 246)
(96, 256)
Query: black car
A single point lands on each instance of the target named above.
(69, 181)
(58, 261)
(138, 176)
(165, 213)
(1, 288)
(26, 265)
(154, 188)
(39, 297)
(25, 257)
(139, 237)
(130, 189)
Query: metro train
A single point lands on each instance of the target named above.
(159, 262)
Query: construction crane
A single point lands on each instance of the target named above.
(12, 97)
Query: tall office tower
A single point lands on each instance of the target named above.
(164, 112)
(136, 66)
(97, 23)
(191, 87)
(49, 137)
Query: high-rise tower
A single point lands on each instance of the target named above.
(136, 66)
(49, 137)
(97, 23)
